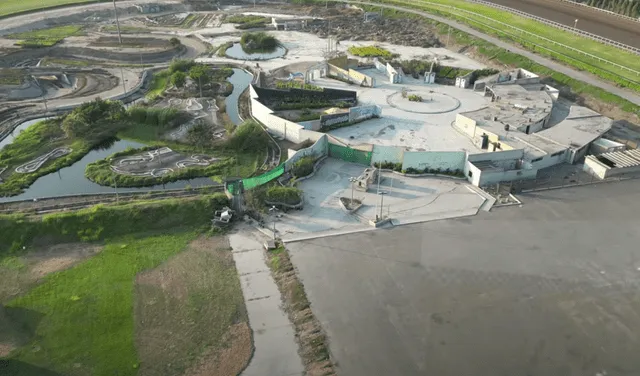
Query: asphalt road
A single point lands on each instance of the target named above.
(547, 289)
(593, 21)
(578, 75)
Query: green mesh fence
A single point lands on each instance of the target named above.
(256, 181)
(350, 155)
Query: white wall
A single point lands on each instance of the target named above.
(394, 75)
(276, 125)
(379, 66)
(317, 150)
(364, 112)
(383, 153)
(494, 177)
(452, 160)
(594, 167)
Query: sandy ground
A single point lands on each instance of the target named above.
(547, 289)
(309, 47)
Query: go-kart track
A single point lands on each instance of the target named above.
(157, 163)
(590, 20)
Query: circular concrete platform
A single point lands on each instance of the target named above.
(432, 102)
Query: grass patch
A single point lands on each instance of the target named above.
(45, 37)
(9, 76)
(258, 42)
(66, 62)
(371, 51)
(244, 19)
(158, 85)
(20, 6)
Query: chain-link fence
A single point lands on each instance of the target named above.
(348, 154)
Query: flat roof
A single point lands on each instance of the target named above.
(581, 127)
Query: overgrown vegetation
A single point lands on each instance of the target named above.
(45, 37)
(177, 74)
(307, 115)
(297, 85)
(103, 221)
(244, 22)
(397, 167)
(312, 342)
(414, 98)
(248, 136)
(371, 51)
(258, 42)
(283, 195)
(303, 167)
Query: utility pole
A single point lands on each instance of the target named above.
(115, 9)
(124, 86)
(382, 202)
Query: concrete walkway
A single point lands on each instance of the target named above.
(582, 76)
(276, 351)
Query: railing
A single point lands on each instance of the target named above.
(602, 10)
(453, 10)
(574, 30)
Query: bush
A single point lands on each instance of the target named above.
(415, 98)
(303, 167)
(99, 118)
(256, 42)
(249, 136)
(100, 221)
(371, 51)
(181, 65)
(155, 117)
(178, 79)
(284, 195)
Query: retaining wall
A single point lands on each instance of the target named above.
(434, 160)
(317, 150)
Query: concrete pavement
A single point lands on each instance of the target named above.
(276, 351)
(551, 288)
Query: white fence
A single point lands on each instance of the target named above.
(524, 32)
(583, 33)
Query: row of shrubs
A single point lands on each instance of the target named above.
(297, 85)
(415, 171)
(284, 195)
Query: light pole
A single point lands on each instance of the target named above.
(273, 209)
(575, 24)
(117, 22)
(352, 180)
(381, 202)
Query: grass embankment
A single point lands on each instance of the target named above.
(571, 88)
(371, 51)
(244, 22)
(45, 37)
(48, 61)
(10, 7)
(241, 155)
(101, 317)
(11, 76)
(312, 342)
(572, 58)
(258, 42)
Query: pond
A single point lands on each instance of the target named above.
(237, 52)
(71, 180)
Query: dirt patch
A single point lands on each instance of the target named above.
(18, 274)
(231, 360)
(131, 42)
(190, 317)
(312, 342)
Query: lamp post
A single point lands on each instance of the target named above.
(115, 9)
(381, 202)
(352, 180)
(575, 24)
(273, 209)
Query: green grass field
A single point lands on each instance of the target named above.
(8, 7)
(370, 51)
(572, 58)
(98, 317)
(45, 37)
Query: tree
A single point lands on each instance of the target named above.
(178, 79)
(175, 42)
(201, 74)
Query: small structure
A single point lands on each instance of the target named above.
(289, 23)
(371, 16)
(368, 177)
(430, 77)
(611, 164)
(603, 145)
